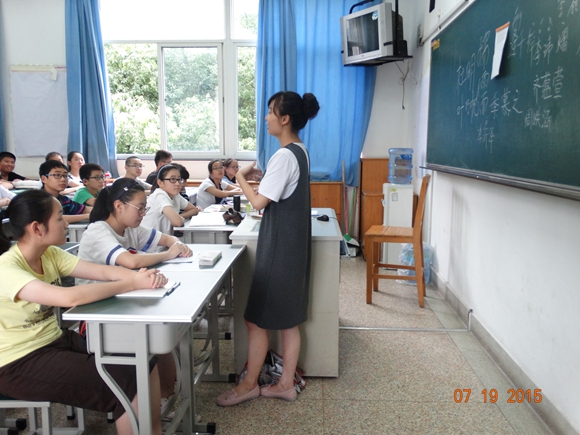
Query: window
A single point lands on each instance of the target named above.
(182, 76)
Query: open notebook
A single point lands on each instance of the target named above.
(155, 293)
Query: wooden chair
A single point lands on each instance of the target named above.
(378, 234)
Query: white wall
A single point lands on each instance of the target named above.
(31, 33)
(511, 255)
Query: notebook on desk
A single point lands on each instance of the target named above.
(154, 293)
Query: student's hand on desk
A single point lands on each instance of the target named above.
(179, 250)
(149, 278)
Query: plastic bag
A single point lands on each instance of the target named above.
(406, 258)
(272, 370)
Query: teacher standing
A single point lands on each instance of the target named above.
(278, 298)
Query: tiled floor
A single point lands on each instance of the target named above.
(391, 381)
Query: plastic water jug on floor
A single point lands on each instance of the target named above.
(400, 165)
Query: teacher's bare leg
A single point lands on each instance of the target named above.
(290, 353)
(257, 350)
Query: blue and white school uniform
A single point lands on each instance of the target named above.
(101, 244)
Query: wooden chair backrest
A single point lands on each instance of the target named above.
(418, 222)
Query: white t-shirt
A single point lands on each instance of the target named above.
(155, 218)
(205, 199)
(101, 244)
(77, 180)
(282, 175)
(5, 193)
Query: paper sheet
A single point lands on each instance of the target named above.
(500, 39)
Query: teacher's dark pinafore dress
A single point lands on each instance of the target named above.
(278, 297)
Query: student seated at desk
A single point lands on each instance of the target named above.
(5, 196)
(38, 360)
(7, 174)
(134, 169)
(75, 161)
(93, 177)
(54, 155)
(231, 168)
(214, 189)
(54, 178)
(116, 236)
(162, 158)
(167, 208)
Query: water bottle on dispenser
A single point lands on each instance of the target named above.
(400, 165)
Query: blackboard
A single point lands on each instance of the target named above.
(522, 127)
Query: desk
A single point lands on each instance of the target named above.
(76, 230)
(208, 234)
(140, 328)
(319, 344)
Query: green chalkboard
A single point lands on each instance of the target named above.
(523, 126)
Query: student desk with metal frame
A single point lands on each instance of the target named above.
(131, 330)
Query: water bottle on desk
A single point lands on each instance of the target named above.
(400, 165)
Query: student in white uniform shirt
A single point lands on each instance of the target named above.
(213, 189)
(167, 208)
(116, 236)
(134, 169)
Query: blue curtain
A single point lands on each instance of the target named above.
(91, 126)
(275, 65)
(345, 94)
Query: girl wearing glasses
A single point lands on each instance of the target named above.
(278, 298)
(38, 359)
(214, 189)
(168, 208)
(231, 168)
(116, 236)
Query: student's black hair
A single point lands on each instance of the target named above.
(70, 156)
(128, 160)
(87, 169)
(161, 174)
(29, 206)
(4, 241)
(124, 189)
(211, 162)
(228, 162)
(300, 109)
(7, 154)
(162, 155)
(52, 154)
(49, 165)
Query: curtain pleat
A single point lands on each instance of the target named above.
(345, 94)
(91, 126)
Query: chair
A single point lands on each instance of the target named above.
(46, 429)
(378, 234)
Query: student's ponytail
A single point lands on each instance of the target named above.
(124, 189)
(100, 211)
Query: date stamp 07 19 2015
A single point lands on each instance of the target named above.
(492, 395)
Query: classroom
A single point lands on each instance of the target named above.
(509, 254)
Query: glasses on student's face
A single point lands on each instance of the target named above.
(57, 176)
(142, 210)
(173, 180)
(98, 177)
(136, 166)
(217, 168)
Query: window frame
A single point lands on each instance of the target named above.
(227, 92)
